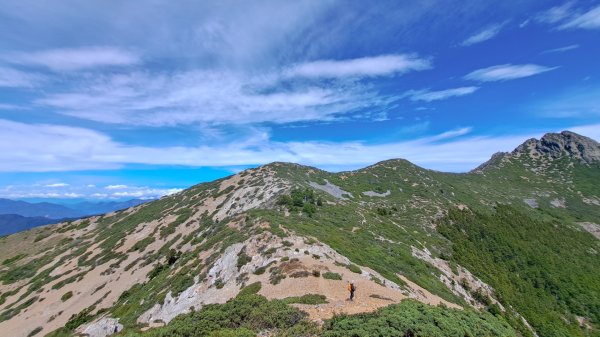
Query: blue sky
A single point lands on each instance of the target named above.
(116, 100)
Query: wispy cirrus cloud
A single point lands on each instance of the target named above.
(484, 35)
(428, 96)
(505, 72)
(561, 49)
(211, 97)
(229, 97)
(555, 14)
(382, 65)
(69, 59)
(568, 16)
(13, 78)
(586, 20)
(4, 106)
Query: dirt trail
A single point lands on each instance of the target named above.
(369, 295)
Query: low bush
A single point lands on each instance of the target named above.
(245, 315)
(66, 296)
(306, 299)
(354, 268)
(332, 276)
(412, 318)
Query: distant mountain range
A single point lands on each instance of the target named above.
(16, 215)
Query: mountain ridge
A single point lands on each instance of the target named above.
(393, 227)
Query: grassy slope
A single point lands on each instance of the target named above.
(417, 195)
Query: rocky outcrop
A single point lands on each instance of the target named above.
(552, 145)
(103, 327)
(375, 194)
(332, 189)
(566, 143)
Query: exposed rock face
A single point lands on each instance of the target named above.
(375, 194)
(567, 143)
(332, 189)
(298, 279)
(104, 327)
(553, 145)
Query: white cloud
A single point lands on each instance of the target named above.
(562, 49)
(506, 72)
(145, 193)
(10, 106)
(587, 20)
(69, 59)
(24, 147)
(381, 65)
(450, 134)
(428, 96)
(555, 14)
(483, 35)
(116, 187)
(83, 192)
(57, 185)
(452, 150)
(592, 131)
(13, 78)
(566, 16)
(209, 97)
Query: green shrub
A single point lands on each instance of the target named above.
(260, 270)
(276, 275)
(41, 236)
(332, 276)
(243, 259)
(244, 315)
(306, 299)
(411, 318)
(66, 296)
(13, 259)
(541, 268)
(142, 244)
(354, 268)
(35, 331)
(250, 289)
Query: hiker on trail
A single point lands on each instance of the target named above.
(351, 290)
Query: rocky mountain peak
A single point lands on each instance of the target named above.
(556, 145)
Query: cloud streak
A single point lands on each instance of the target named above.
(505, 72)
(382, 65)
(12, 78)
(555, 14)
(429, 96)
(587, 20)
(562, 49)
(71, 59)
(484, 35)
